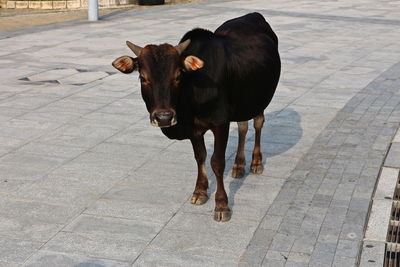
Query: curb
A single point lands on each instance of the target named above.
(384, 199)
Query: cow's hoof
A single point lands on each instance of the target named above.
(237, 172)
(222, 216)
(198, 199)
(257, 168)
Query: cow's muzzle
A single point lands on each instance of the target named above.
(163, 119)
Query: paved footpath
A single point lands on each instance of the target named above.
(86, 181)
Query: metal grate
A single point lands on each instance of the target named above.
(392, 248)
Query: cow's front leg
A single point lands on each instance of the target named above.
(222, 212)
(200, 153)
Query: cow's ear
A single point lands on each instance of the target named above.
(192, 63)
(125, 64)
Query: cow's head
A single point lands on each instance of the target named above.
(160, 70)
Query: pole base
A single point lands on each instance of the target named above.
(151, 2)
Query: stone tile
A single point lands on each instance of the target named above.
(299, 257)
(95, 246)
(147, 194)
(51, 150)
(52, 75)
(396, 138)
(166, 258)
(118, 228)
(392, 159)
(8, 186)
(352, 231)
(204, 223)
(132, 210)
(91, 170)
(38, 162)
(47, 258)
(55, 195)
(347, 248)
(373, 253)
(11, 142)
(282, 242)
(83, 77)
(10, 171)
(378, 220)
(344, 261)
(273, 263)
(9, 264)
(66, 140)
(209, 244)
(254, 255)
(271, 222)
(386, 183)
(17, 251)
(323, 254)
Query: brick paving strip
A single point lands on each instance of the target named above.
(86, 180)
(322, 208)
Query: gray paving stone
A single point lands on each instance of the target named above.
(67, 152)
(83, 77)
(347, 248)
(344, 261)
(323, 254)
(122, 229)
(373, 254)
(33, 220)
(352, 231)
(295, 264)
(167, 258)
(224, 246)
(282, 242)
(132, 210)
(67, 140)
(147, 194)
(276, 255)
(10, 171)
(17, 251)
(55, 195)
(47, 258)
(299, 257)
(38, 162)
(253, 256)
(52, 75)
(95, 246)
(273, 263)
(392, 159)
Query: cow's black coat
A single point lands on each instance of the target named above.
(240, 74)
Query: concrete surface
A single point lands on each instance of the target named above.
(86, 181)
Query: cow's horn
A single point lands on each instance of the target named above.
(182, 46)
(135, 48)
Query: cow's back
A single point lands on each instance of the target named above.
(253, 65)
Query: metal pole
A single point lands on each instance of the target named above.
(93, 10)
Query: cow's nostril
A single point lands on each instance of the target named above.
(164, 117)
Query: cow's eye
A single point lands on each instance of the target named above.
(178, 77)
(142, 79)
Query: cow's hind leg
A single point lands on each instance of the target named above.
(200, 153)
(222, 212)
(256, 163)
(240, 160)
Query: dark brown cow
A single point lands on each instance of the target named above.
(204, 83)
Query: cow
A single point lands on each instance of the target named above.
(205, 82)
